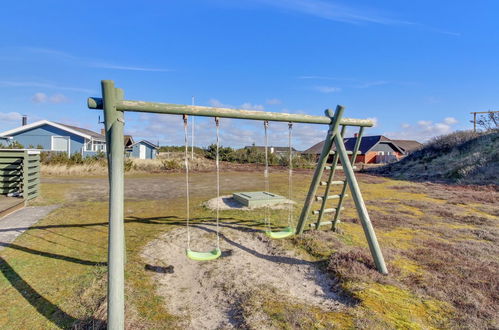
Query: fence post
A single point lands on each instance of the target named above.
(114, 123)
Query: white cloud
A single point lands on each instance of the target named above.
(39, 98)
(44, 98)
(273, 101)
(424, 130)
(251, 106)
(10, 116)
(327, 89)
(450, 121)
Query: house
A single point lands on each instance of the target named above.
(373, 149)
(408, 146)
(52, 136)
(142, 150)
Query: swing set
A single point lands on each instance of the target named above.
(114, 106)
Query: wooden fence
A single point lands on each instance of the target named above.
(19, 173)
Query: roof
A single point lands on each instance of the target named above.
(88, 134)
(145, 142)
(86, 131)
(128, 140)
(366, 144)
(408, 145)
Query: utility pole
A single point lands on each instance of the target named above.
(479, 112)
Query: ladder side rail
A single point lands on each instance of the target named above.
(367, 226)
(328, 186)
(328, 143)
(345, 185)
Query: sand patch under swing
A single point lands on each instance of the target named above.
(209, 295)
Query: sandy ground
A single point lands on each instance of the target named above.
(207, 295)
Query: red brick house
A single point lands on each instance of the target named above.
(373, 149)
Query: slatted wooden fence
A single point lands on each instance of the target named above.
(20, 173)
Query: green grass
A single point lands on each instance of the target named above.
(440, 244)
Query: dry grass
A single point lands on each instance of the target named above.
(174, 162)
(440, 243)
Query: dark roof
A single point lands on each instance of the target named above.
(85, 131)
(408, 145)
(366, 144)
(128, 140)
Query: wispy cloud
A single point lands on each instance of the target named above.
(94, 63)
(10, 116)
(334, 11)
(273, 101)
(44, 98)
(327, 89)
(8, 83)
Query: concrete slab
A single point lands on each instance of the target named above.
(258, 198)
(16, 223)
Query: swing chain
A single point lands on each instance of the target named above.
(186, 162)
(217, 123)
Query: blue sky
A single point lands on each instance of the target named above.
(417, 67)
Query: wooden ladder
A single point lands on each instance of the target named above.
(322, 165)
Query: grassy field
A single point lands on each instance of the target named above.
(440, 243)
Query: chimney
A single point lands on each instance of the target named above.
(25, 120)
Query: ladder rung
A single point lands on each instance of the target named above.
(327, 211)
(340, 168)
(312, 225)
(319, 198)
(324, 183)
(333, 152)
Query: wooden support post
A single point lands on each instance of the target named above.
(344, 189)
(331, 134)
(114, 123)
(361, 208)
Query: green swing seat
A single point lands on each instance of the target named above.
(286, 232)
(204, 256)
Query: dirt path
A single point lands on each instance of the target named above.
(208, 294)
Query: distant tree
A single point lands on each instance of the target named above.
(488, 120)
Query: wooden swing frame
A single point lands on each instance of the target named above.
(114, 106)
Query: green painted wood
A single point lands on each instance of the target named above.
(180, 109)
(344, 188)
(114, 122)
(11, 160)
(10, 167)
(328, 142)
(334, 166)
(361, 208)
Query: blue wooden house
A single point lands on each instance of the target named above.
(53, 136)
(142, 150)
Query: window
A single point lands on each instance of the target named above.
(60, 143)
(99, 146)
(88, 145)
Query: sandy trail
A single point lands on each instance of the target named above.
(207, 294)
